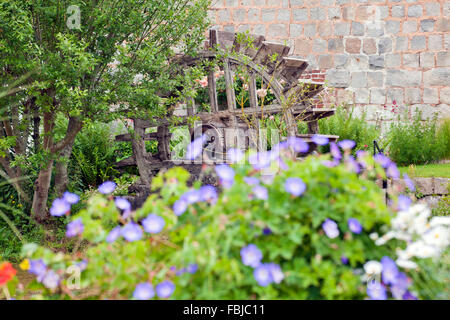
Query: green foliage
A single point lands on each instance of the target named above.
(416, 141)
(443, 206)
(444, 136)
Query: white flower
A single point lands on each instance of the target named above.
(374, 236)
(407, 264)
(421, 250)
(373, 267)
(437, 236)
(439, 221)
(261, 93)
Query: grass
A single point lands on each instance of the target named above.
(427, 170)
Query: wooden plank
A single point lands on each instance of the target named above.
(229, 82)
(252, 91)
(222, 39)
(128, 137)
(212, 90)
(267, 51)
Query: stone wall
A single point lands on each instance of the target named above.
(373, 51)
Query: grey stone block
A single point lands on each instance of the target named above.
(359, 79)
(259, 29)
(436, 77)
(444, 95)
(317, 13)
(277, 30)
(284, 15)
(441, 185)
(239, 15)
(253, 15)
(427, 25)
(357, 29)
(375, 79)
(415, 11)
(418, 43)
(435, 42)
(340, 60)
(401, 43)
(393, 60)
(392, 26)
(376, 62)
(362, 95)
(411, 60)
(334, 13)
(378, 95)
(430, 95)
(426, 60)
(382, 12)
(310, 29)
(342, 29)
(433, 9)
(327, 3)
(384, 45)
(295, 30)
(443, 59)
(447, 41)
(409, 26)
(319, 45)
(374, 29)
(403, 78)
(300, 14)
(412, 95)
(338, 78)
(296, 2)
(224, 16)
(447, 9)
(268, 15)
(398, 11)
(394, 94)
(335, 45)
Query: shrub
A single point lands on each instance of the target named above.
(303, 232)
(444, 136)
(415, 142)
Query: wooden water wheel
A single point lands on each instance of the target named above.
(267, 62)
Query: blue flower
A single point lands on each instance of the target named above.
(267, 231)
(260, 192)
(107, 187)
(251, 256)
(382, 160)
(195, 148)
(409, 183)
(113, 235)
(144, 291)
(75, 228)
(403, 202)
(347, 144)
(251, 181)
(71, 198)
(153, 223)
(376, 291)
(192, 196)
(226, 175)
(208, 193)
(51, 280)
(354, 165)
(263, 275)
(400, 286)
(131, 232)
(235, 155)
(330, 164)
(122, 204)
(354, 225)
(276, 273)
(82, 264)
(260, 160)
(38, 268)
(344, 260)
(298, 144)
(331, 228)
(389, 271)
(320, 139)
(180, 207)
(335, 152)
(392, 171)
(165, 289)
(59, 207)
(192, 268)
(409, 296)
(295, 186)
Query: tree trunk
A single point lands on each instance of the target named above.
(61, 172)
(138, 145)
(40, 197)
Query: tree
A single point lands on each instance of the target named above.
(95, 60)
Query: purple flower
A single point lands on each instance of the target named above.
(267, 231)
(354, 225)
(295, 186)
(71, 198)
(389, 271)
(251, 181)
(208, 193)
(82, 264)
(251, 256)
(392, 171)
(192, 196)
(107, 187)
(59, 207)
(113, 235)
(330, 164)
(335, 152)
(376, 291)
(195, 148)
(131, 232)
(403, 202)
(409, 296)
(192, 268)
(180, 207)
(344, 260)
(260, 160)
(122, 204)
(226, 175)
(75, 228)
(347, 144)
(354, 165)
(165, 289)
(153, 223)
(260, 192)
(276, 273)
(235, 155)
(263, 275)
(181, 271)
(298, 144)
(320, 139)
(331, 229)
(51, 280)
(409, 183)
(382, 160)
(38, 268)
(144, 291)
(400, 286)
